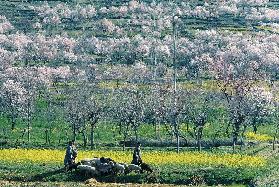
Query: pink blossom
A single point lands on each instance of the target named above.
(5, 25)
(15, 90)
(107, 25)
(37, 25)
(133, 5)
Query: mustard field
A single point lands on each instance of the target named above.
(258, 137)
(153, 158)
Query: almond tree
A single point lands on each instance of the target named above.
(13, 96)
(76, 112)
(49, 91)
(97, 107)
(196, 110)
(76, 106)
(274, 92)
(128, 111)
(155, 112)
(260, 106)
(238, 65)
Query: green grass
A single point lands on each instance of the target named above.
(106, 132)
(167, 174)
(270, 177)
(267, 28)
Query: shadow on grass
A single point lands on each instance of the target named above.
(41, 176)
(58, 175)
(75, 176)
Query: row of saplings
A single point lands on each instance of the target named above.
(107, 166)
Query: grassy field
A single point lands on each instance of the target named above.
(92, 182)
(107, 134)
(189, 168)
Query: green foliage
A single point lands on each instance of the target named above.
(269, 178)
(210, 175)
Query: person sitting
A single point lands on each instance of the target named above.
(70, 156)
(137, 155)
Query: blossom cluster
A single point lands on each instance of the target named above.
(5, 25)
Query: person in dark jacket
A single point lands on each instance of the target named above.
(137, 155)
(70, 156)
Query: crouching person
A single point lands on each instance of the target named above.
(70, 156)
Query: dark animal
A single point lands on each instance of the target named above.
(145, 167)
(106, 160)
(74, 166)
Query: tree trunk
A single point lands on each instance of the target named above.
(74, 133)
(5, 134)
(241, 142)
(177, 138)
(92, 141)
(136, 134)
(124, 141)
(177, 143)
(125, 133)
(13, 124)
(84, 138)
(28, 130)
(28, 120)
(236, 133)
(12, 117)
(255, 129)
(13, 120)
(234, 142)
(175, 84)
(46, 136)
(158, 133)
(49, 129)
(199, 142)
